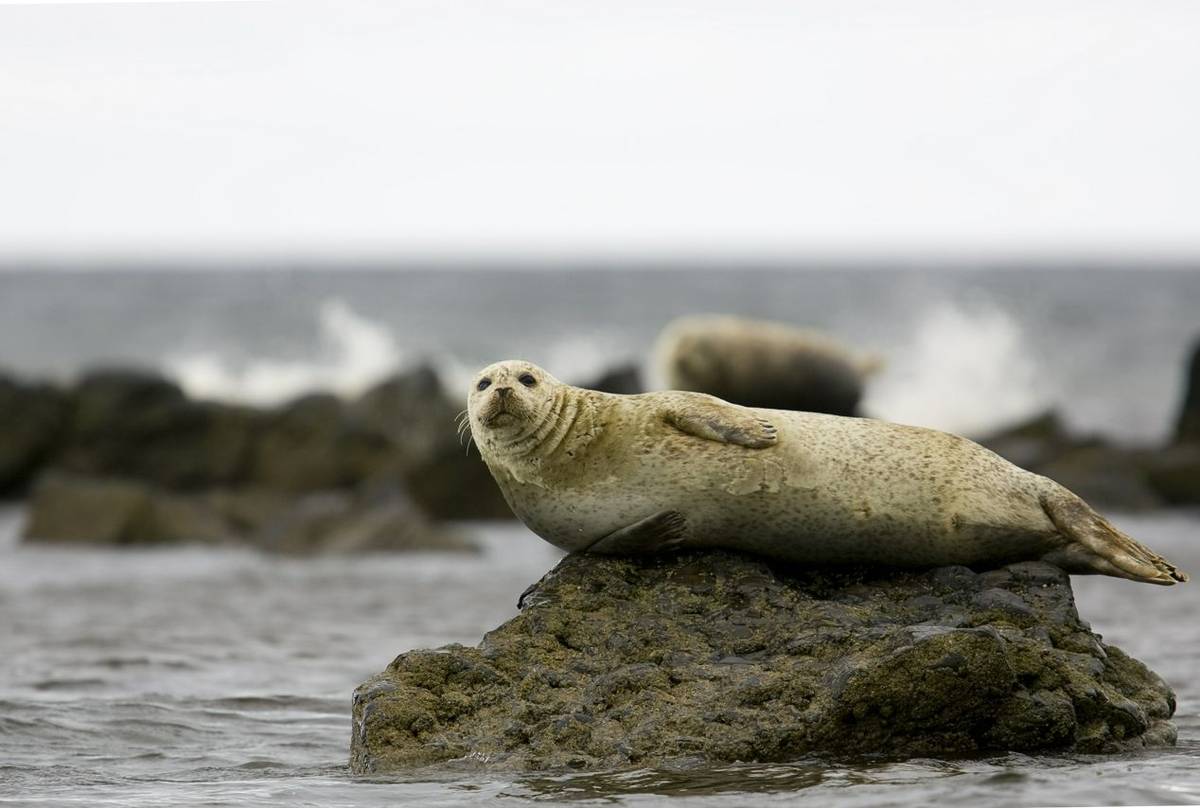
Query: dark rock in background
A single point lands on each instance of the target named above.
(443, 474)
(107, 510)
(338, 522)
(1187, 426)
(100, 511)
(413, 411)
(714, 658)
(314, 443)
(1174, 473)
(136, 424)
(206, 470)
(112, 511)
(622, 379)
(32, 420)
(1107, 476)
(1035, 441)
(1104, 474)
(457, 485)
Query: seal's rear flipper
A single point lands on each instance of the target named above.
(1098, 547)
(658, 532)
(713, 419)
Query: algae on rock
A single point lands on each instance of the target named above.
(717, 657)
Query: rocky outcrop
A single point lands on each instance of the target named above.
(625, 379)
(130, 423)
(135, 428)
(713, 657)
(1187, 424)
(1105, 474)
(442, 473)
(337, 522)
(111, 511)
(32, 419)
(1109, 475)
(1174, 474)
(314, 443)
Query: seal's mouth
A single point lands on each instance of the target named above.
(499, 418)
(501, 411)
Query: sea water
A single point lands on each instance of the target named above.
(205, 676)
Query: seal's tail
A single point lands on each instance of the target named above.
(1098, 547)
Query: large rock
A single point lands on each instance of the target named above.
(443, 475)
(1107, 475)
(130, 423)
(457, 485)
(624, 379)
(338, 522)
(133, 425)
(714, 658)
(1174, 474)
(1034, 441)
(1187, 426)
(108, 511)
(314, 443)
(32, 420)
(413, 411)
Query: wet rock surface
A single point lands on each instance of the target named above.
(715, 657)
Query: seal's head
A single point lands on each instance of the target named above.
(510, 397)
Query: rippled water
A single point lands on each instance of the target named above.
(191, 676)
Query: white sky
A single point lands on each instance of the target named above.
(613, 128)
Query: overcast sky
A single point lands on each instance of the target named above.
(609, 128)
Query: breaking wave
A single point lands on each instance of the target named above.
(965, 368)
(354, 353)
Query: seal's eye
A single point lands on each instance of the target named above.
(483, 384)
(527, 379)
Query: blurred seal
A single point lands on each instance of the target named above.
(605, 473)
(762, 364)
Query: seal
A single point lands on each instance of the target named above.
(758, 363)
(623, 474)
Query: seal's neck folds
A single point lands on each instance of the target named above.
(567, 425)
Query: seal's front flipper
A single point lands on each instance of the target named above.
(658, 532)
(713, 419)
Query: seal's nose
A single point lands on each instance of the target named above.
(504, 392)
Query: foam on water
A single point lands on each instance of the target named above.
(966, 368)
(354, 353)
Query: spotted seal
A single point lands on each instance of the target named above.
(604, 473)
